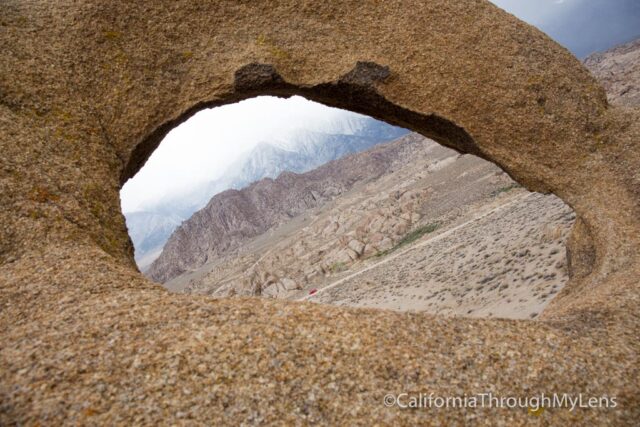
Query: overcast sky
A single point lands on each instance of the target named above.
(534, 12)
(582, 26)
(201, 148)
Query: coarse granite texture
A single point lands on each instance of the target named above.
(88, 89)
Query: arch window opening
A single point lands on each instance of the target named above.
(288, 198)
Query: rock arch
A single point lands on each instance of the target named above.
(88, 89)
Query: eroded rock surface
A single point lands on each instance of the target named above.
(88, 89)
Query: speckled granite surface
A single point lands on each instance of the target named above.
(87, 90)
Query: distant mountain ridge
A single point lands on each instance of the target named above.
(235, 216)
(304, 150)
(149, 231)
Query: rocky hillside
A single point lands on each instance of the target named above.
(437, 232)
(301, 151)
(366, 216)
(234, 216)
(618, 69)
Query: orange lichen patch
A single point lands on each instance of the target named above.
(112, 35)
(42, 195)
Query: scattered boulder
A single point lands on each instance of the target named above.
(357, 246)
(369, 250)
(385, 244)
(289, 284)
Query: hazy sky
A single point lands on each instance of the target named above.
(534, 12)
(582, 26)
(200, 149)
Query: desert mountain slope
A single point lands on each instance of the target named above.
(443, 233)
(505, 259)
(303, 150)
(233, 216)
(618, 69)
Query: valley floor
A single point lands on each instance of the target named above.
(507, 260)
(438, 233)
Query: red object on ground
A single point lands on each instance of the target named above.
(313, 291)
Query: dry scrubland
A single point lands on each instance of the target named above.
(437, 232)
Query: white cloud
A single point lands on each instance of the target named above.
(200, 149)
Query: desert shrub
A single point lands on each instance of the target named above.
(411, 237)
(337, 267)
(504, 189)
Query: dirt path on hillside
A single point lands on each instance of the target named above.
(426, 241)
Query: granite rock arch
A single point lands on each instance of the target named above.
(88, 89)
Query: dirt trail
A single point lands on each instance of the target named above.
(428, 241)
